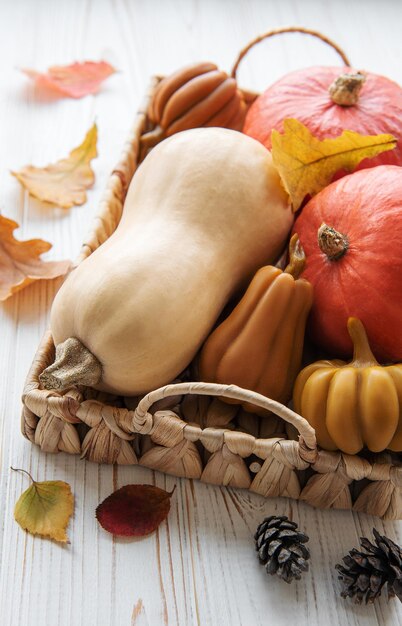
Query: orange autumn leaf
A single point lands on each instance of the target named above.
(63, 183)
(76, 80)
(20, 264)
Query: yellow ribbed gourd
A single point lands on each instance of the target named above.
(352, 405)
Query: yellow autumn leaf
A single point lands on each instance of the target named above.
(307, 164)
(63, 183)
(45, 509)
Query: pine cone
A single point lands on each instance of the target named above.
(364, 574)
(280, 547)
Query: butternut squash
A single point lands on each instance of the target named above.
(203, 212)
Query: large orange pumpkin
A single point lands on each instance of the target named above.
(313, 96)
(351, 233)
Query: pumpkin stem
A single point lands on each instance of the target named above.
(362, 354)
(297, 257)
(345, 89)
(74, 365)
(332, 243)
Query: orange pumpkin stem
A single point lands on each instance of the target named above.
(332, 243)
(345, 89)
(362, 354)
(297, 257)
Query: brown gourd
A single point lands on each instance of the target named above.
(195, 95)
(352, 405)
(204, 211)
(259, 345)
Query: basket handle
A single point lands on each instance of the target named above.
(288, 29)
(233, 392)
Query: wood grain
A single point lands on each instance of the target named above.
(200, 567)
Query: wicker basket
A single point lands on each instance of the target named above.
(185, 429)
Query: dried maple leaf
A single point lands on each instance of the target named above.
(134, 510)
(307, 164)
(45, 508)
(63, 183)
(75, 80)
(20, 264)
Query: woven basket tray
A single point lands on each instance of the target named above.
(185, 429)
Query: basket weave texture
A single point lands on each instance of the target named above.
(185, 429)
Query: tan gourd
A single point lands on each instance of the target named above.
(259, 345)
(204, 211)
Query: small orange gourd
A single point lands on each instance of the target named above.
(352, 405)
(259, 346)
(196, 95)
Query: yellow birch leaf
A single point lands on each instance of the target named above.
(63, 183)
(307, 164)
(45, 509)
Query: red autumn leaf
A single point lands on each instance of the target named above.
(134, 510)
(76, 80)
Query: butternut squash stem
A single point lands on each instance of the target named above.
(297, 257)
(345, 89)
(362, 354)
(74, 365)
(331, 242)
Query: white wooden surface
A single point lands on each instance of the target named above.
(200, 567)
